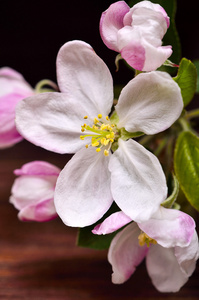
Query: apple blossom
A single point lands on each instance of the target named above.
(13, 88)
(136, 33)
(76, 121)
(168, 241)
(33, 191)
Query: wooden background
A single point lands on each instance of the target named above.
(41, 260)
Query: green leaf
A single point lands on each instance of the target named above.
(196, 63)
(186, 79)
(87, 239)
(186, 165)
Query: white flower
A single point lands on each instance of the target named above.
(66, 122)
(168, 241)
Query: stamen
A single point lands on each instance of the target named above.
(106, 152)
(101, 134)
(143, 239)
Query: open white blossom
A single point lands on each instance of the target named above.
(76, 120)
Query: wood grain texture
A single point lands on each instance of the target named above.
(42, 261)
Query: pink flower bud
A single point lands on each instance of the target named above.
(33, 191)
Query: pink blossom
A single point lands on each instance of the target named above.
(168, 241)
(13, 88)
(136, 33)
(33, 191)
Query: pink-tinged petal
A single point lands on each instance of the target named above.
(9, 139)
(112, 223)
(40, 212)
(170, 227)
(134, 54)
(38, 168)
(125, 253)
(187, 256)
(138, 183)
(10, 73)
(150, 103)
(164, 269)
(28, 190)
(111, 21)
(52, 121)
(82, 74)
(161, 53)
(150, 9)
(82, 193)
(13, 82)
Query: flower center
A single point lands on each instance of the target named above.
(143, 239)
(102, 133)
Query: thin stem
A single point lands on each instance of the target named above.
(184, 124)
(192, 114)
(161, 146)
(45, 82)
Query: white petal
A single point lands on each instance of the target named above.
(188, 256)
(83, 74)
(52, 121)
(138, 183)
(169, 227)
(150, 103)
(125, 253)
(164, 269)
(82, 193)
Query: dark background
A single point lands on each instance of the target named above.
(33, 31)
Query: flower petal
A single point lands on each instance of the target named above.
(28, 190)
(138, 183)
(187, 256)
(52, 121)
(38, 168)
(82, 193)
(169, 227)
(40, 212)
(112, 223)
(150, 103)
(125, 253)
(111, 21)
(83, 74)
(13, 82)
(164, 269)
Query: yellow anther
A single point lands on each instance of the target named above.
(98, 150)
(95, 121)
(103, 127)
(104, 141)
(106, 152)
(110, 135)
(82, 129)
(86, 117)
(107, 118)
(99, 116)
(95, 127)
(87, 146)
(95, 144)
(143, 239)
(82, 137)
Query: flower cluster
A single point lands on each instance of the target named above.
(116, 145)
